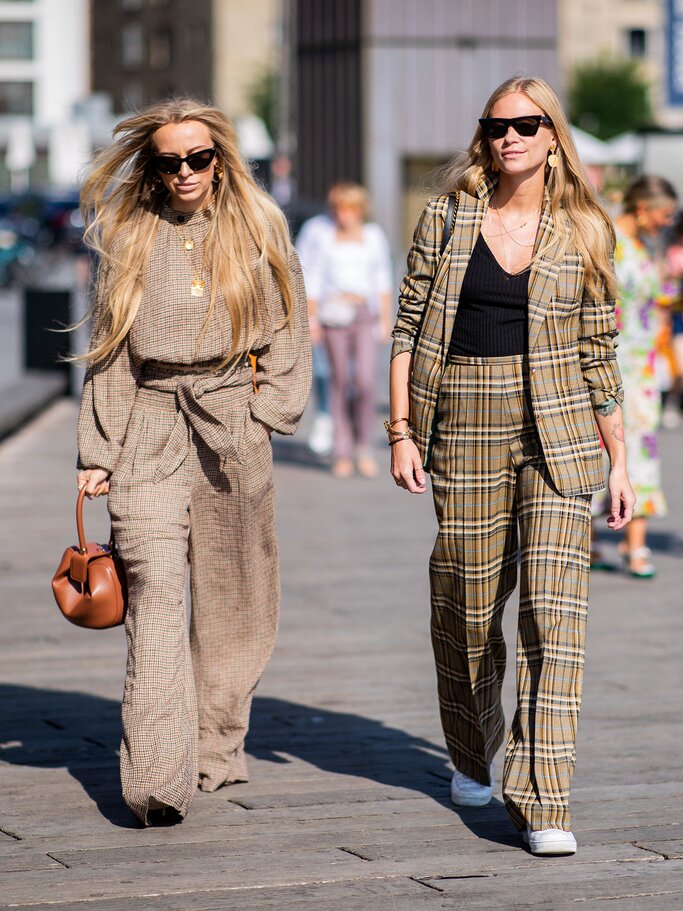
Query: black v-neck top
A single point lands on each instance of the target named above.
(492, 311)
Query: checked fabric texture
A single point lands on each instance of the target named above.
(189, 452)
(572, 359)
(494, 498)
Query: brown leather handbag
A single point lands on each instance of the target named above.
(90, 583)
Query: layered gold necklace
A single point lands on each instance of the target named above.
(508, 232)
(188, 245)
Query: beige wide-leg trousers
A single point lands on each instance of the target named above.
(187, 697)
(495, 502)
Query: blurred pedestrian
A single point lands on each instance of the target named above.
(348, 282)
(313, 232)
(503, 360)
(674, 273)
(649, 207)
(196, 273)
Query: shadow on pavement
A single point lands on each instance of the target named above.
(81, 733)
(347, 744)
(665, 542)
(62, 729)
(292, 452)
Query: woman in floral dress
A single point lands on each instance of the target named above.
(649, 207)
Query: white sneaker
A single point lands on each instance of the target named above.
(549, 841)
(466, 792)
(321, 436)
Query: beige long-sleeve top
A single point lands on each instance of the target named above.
(166, 329)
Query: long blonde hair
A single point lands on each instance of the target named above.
(121, 202)
(581, 222)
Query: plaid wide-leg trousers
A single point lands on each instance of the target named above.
(495, 503)
(187, 694)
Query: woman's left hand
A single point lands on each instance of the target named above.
(622, 499)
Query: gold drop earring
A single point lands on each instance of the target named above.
(553, 158)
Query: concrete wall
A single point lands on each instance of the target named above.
(246, 42)
(428, 69)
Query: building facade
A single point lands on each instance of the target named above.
(144, 50)
(44, 58)
(44, 73)
(389, 89)
(635, 29)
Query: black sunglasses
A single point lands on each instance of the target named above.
(171, 164)
(497, 127)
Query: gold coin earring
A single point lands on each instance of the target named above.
(156, 187)
(553, 157)
(217, 173)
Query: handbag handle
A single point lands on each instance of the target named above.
(82, 545)
(79, 521)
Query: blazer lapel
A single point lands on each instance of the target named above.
(543, 277)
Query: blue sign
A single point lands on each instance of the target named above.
(675, 51)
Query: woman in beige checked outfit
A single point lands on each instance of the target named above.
(503, 363)
(196, 278)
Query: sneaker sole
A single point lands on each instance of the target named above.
(471, 801)
(551, 846)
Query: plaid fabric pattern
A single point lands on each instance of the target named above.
(166, 330)
(572, 356)
(494, 496)
(192, 480)
(186, 701)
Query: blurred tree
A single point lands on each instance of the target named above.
(262, 98)
(609, 96)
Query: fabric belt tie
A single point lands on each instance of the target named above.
(221, 428)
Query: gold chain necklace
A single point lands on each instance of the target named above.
(514, 241)
(188, 245)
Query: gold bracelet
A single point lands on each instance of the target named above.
(399, 439)
(388, 425)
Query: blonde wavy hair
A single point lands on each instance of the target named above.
(121, 202)
(581, 222)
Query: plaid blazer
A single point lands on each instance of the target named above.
(572, 356)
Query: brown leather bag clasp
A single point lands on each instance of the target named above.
(90, 583)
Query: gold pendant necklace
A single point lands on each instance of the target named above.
(197, 283)
(514, 240)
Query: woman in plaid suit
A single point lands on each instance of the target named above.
(196, 273)
(503, 367)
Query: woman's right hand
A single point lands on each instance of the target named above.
(406, 467)
(95, 481)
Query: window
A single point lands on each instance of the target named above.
(16, 98)
(132, 46)
(16, 40)
(636, 42)
(160, 49)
